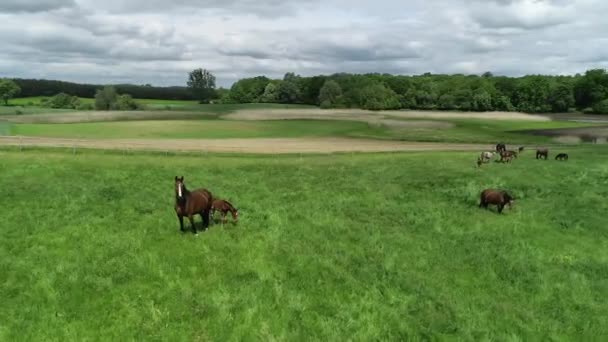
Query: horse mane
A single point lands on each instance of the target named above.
(232, 208)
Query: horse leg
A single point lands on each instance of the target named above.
(500, 208)
(205, 216)
(181, 222)
(191, 218)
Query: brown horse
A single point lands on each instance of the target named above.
(500, 198)
(190, 203)
(542, 153)
(507, 156)
(501, 147)
(224, 207)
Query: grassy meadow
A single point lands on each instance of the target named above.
(463, 131)
(342, 247)
(194, 129)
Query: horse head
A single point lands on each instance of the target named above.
(180, 187)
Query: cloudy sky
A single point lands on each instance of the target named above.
(159, 41)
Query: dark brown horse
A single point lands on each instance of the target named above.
(542, 153)
(500, 198)
(501, 147)
(561, 156)
(190, 203)
(224, 207)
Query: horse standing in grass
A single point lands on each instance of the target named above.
(542, 153)
(500, 198)
(561, 156)
(486, 156)
(501, 147)
(190, 203)
(224, 207)
(507, 156)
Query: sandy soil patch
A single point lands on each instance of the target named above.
(363, 115)
(258, 146)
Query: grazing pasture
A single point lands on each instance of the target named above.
(192, 129)
(362, 247)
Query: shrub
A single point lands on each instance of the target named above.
(601, 107)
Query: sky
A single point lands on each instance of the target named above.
(160, 41)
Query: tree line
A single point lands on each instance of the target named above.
(33, 87)
(586, 92)
(532, 93)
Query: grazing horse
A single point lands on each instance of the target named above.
(561, 156)
(542, 153)
(224, 207)
(513, 153)
(190, 203)
(486, 156)
(507, 156)
(501, 147)
(521, 149)
(500, 198)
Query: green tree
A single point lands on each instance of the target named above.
(379, 97)
(289, 89)
(561, 98)
(249, 90)
(8, 90)
(202, 84)
(591, 88)
(125, 102)
(105, 98)
(62, 100)
(271, 93)
(601, 107)
(330, 94)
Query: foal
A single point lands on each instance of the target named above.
(224, 207)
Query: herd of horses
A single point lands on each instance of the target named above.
(199, 202)
(506, 156)
(502, 198)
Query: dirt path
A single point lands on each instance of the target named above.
(260, 146)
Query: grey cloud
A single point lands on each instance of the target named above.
(267, 7)
(10, 6)
(159, 41)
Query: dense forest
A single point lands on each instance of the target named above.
(532, 93)
(31, 87)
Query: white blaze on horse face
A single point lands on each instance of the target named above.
(179, 189)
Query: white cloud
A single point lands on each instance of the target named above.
(158, 41)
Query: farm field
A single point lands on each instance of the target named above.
(323, 249)
(241, 121)
(449, 131)
(191, 129)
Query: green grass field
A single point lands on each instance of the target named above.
(363, 247)
(464, 131)
(194, 129)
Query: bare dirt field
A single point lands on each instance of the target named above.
(364, 115)
(268, 114)
(259, 146)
